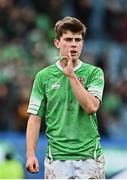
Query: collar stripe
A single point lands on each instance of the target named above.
(75, 68)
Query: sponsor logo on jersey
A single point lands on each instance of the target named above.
(55, 85)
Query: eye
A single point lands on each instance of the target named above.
(68, 39)
(78, 39)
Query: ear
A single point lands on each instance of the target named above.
(57, 43)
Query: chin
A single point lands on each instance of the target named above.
(74, 59)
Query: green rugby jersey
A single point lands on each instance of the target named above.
(72, 133)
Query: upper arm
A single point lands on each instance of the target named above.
(34, 121)
(37, 99)
(96, 84)
(35, 117)
(97, 102)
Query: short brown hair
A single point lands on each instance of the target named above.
(69, 24)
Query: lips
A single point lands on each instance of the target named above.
(73, 51)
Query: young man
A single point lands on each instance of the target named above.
(68, 94)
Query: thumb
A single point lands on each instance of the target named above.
(36, 165)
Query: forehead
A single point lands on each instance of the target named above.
(71, 34)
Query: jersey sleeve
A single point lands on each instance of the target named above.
(96, 83)
(37, 101)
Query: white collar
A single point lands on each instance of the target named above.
(75, 68)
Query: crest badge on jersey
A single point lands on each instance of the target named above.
(81, 80)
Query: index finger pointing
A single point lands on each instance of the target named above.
(69, 54)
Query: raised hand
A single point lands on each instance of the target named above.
(67, 63)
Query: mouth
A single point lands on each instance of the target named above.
(73, 52)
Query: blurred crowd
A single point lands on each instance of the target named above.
(26, 46)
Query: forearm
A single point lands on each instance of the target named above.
(32, 134)
(88, 102)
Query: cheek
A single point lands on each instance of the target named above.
(79, 50)
(64, 47)
(80, 47)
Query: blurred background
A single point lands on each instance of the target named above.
(26, 46)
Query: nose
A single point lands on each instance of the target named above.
(73, 43)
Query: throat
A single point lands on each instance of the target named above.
(75, 62)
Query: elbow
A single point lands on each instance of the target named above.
(91, 107)
(91, 110)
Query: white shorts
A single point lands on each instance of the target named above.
(75, 169)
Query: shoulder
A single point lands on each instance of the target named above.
(47, 69)
(92, 68)
(45, 72)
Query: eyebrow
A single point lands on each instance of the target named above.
(69, 39)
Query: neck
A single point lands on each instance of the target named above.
(75, 62)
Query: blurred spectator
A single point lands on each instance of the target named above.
(22, 116)
(115, 19)
(115, 62)
(112, 18)
(122, 32)
(52, 8)
(41, 6)
(20, 21)
(8, 97)
(115, 110)
(55, 9)
(5, 6)
(11, 168)
(83, 10)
